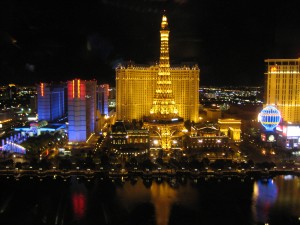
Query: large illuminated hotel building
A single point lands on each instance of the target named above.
(282, 87)
(136, 88)
(51, 101)
(282, 90)
(81, 109)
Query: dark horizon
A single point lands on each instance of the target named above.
(54, 41)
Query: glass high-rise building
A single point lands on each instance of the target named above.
(51, 101)
(81, 109)
(282, 87)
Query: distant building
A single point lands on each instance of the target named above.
(51, 101)
(81, 109)
(282, 87)
(288, 135)
(102, 98)
(207, 136)
(231, 128)
(213, 114)
(112, 98)
(128, 138)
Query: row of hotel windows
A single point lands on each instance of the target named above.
(208, 146)
(145, 78)
(131, 140)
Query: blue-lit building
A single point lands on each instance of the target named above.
(102, 98)
(51, 103)
(81, 109)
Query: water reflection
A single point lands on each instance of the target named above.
(265, 193)
(286, 210)
(78, 199)
(79, 205)
(162, 197)
(161, 194)
(151, 201)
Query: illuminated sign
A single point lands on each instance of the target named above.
(293, 131)
(269, 117)
(271, 138)
(267, 137)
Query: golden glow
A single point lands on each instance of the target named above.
(164, 23)
(5, 121)
(273, 69)
(282, 87)
(170, 85)
(163, 197)
(92, 134)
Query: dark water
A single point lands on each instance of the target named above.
(145, 202)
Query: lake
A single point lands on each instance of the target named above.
(137, 201)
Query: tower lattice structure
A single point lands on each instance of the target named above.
(164, 122)
(164, 106)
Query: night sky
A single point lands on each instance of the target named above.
(42, 41)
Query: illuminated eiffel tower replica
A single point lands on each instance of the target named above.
(164, 121)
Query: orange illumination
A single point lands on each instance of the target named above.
(42, 89)
(273, 69)
(73, 91)
(78, 88)
(164, 23)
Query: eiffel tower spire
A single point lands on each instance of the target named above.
(163, 103)
(164, 120)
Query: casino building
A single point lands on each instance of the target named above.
(282, 87)
(282, 90)
(81, 109)
(51, 101)
(136, 88)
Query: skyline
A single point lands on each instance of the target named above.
(228, 40)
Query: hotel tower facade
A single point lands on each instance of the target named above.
(282, 87)
(136, 88)
(51, 101)
(81, 109)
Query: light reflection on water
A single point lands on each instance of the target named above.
(162, 195)
(165, 202)
(79, 199)
(277, 201)
(265, 194)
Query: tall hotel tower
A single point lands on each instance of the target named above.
(136, 88)
(81, 109)
(50, 101)
(102, 98)
(282, 87)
